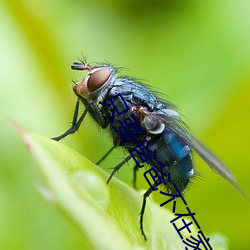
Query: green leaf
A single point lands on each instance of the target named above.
(106, 215)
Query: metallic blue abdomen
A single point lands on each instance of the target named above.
(176, 156)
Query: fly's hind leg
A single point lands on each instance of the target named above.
(135, 169)
(144, 201)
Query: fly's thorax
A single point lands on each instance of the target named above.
(154, 122)
(94, 84)
(152, 126)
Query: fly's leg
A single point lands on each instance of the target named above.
(91, 107)
(105, 155)
(75, 124)
(135, 169)
(118, 167)
(145, 196)
(97, 114)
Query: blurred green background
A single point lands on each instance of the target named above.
(195, 52)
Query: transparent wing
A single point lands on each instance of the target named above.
(175, 124)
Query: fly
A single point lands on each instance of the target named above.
(161, 126)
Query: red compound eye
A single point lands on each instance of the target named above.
(97, 79)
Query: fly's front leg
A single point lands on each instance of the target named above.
(97, 114)
(75, 124)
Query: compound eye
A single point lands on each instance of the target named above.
(97, 79)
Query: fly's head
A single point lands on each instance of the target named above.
(95, 80)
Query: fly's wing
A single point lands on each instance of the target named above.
(174, 123)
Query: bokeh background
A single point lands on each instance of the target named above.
(195, 52)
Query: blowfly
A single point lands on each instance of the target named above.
(158, 127)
